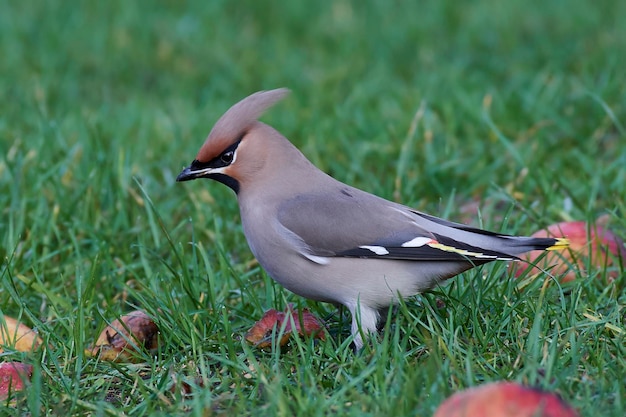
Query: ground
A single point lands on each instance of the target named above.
(509, 115)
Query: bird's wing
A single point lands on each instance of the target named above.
(352, 223)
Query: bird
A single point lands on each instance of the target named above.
(328, 241)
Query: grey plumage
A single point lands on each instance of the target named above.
(327, 241)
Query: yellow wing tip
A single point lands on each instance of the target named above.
(561, 243)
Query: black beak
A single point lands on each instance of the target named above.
(186, 175)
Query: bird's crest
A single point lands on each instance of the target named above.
(234, 123)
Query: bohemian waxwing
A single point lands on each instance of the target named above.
(327, 241)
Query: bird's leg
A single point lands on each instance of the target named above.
(364, 321)
(383, 314)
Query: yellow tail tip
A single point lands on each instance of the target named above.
(561, 243)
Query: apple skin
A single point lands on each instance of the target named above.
(590, 244)
(263, 332)
(504, 399)
(14, 377)
(120, 341)
(18, 336)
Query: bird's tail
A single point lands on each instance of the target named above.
(525, 244)
(559, 244)
(504, 245)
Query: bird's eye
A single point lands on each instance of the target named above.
(227, 157)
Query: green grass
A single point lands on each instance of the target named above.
(518, 106)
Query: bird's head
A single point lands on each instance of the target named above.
(234, 149)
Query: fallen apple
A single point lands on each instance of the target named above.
(14, 377)
(123, 338)
(262, 333)
(590, 244)
(504, 399)
(17, 336)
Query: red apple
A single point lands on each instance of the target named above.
(262, 332)
(590, 244)
(504, 399)
(14, 376)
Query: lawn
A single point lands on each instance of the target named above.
(508, 115)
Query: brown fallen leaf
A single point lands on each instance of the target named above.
(504, 399)
(14, 377)
(123, 338)
(268, 327)
(18, 336)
